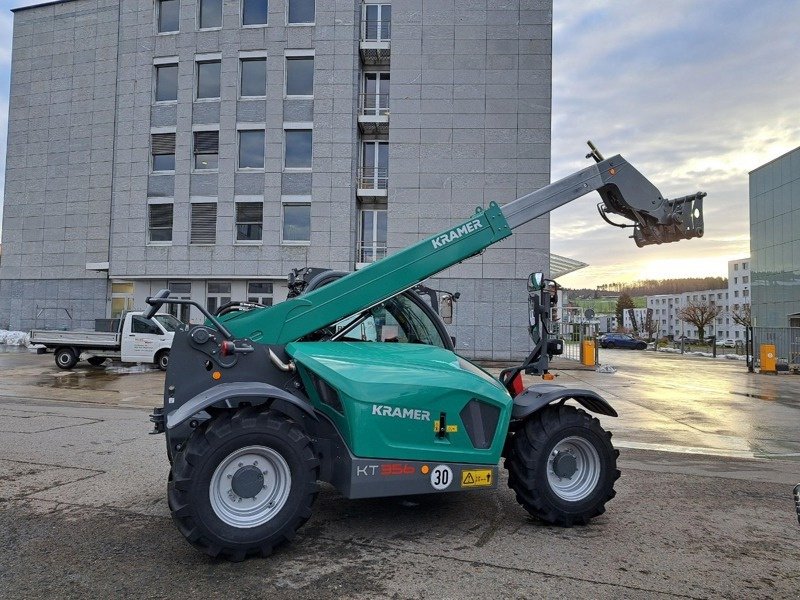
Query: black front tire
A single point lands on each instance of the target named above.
(162, 360)
(610, 345)
(530, 461)
(66, 358)
(193, 474)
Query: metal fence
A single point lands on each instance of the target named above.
(786, 341)
(573, 335)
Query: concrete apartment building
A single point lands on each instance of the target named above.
(775, 241)
(211, 146)
(666, 307)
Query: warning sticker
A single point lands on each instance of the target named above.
(450, 428)
(476, 478)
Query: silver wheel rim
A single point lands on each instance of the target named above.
(242, 512)
(64, 358)
(164, 360)
(583, 481)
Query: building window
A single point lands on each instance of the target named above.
(260, 292)
(735, 293)
(219, 293)
(162, 147)
(298, 149)
(249, 219)
(160, 222)
(372, 236)
(169, 12)
(206, 150)
(745, 293)
(254, 77)
(208, 79)
(375, 100)
(736, 267)
(204, 223)
(374, 172)
(745, 279)
(166, 83)
(254, 12)
(296, 223)
(301, 12)
(744, 266)
(210, 14)
(180, 290)
(251, 149)
(377, 23)
(299, 75)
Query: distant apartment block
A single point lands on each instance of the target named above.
(731, 301)
(211, 146)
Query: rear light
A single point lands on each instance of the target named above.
(516, 386)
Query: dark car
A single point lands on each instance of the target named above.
(621, 340)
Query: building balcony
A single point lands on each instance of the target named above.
(375, 43)
(372, 182)
(373, 114)
(369, 252)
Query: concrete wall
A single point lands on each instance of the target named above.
(470, 124)
(58, 165)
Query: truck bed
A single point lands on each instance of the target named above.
(75, 338)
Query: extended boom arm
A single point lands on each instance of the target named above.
(623, 189)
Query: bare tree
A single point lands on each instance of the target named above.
(742, 316)
(699, 314)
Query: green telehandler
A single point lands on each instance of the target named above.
(262, 403)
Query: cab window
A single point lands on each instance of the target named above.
(399, 319)
(142, 325)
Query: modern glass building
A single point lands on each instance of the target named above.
(775, 242)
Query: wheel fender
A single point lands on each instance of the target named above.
(224, 392)
(539, 396)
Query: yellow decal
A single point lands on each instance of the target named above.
(476, 478)
(450, 428)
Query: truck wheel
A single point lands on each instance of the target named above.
(562, 466)
(162, 360)
(96, 361)
(243, 484)
(66, 358)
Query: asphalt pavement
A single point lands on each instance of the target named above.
(709, 456)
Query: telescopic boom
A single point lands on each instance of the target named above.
(624, 191)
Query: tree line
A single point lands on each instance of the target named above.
(654, 287)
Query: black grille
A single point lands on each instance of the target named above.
(327, 394)
(480, 420)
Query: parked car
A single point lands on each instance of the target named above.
(621, 340)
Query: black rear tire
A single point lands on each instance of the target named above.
(531, 465)
(65, 358)
(96, 361)
(194, 481)
(610, 345)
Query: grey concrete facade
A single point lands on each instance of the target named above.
(469, 123)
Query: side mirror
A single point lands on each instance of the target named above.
(535, 282)
(446, 308)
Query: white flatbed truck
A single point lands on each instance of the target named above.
(138, 340)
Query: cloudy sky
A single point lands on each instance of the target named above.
(695, 93)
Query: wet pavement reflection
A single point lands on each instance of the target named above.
(665, 401)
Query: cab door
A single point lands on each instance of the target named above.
(141, 339)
